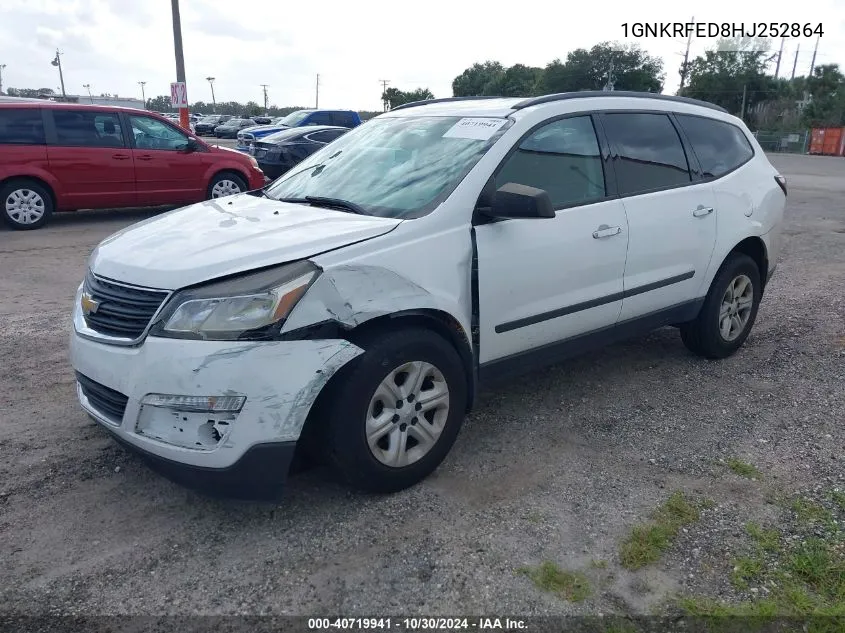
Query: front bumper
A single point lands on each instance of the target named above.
(279, 380)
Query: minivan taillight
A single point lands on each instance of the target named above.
(781, 183)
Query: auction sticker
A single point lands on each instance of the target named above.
(479, 129)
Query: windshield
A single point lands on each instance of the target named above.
(209, 119)
(393, 167)
(294, 118)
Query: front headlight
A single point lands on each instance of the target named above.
(248, 307)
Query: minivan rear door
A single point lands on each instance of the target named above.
(90, 157)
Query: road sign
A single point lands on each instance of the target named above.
(178, 95)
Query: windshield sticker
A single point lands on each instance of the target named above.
(475, 128)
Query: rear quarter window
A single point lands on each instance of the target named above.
(720, 147)
(21, 126)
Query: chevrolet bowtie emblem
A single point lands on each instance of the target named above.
(89, 305)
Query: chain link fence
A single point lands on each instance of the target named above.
(795, 142)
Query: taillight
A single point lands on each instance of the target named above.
(781, 183)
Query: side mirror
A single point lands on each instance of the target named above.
(516, 201)
(191, 146)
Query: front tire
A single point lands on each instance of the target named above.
(394, 412)
(26, 204)
(225, 184)
(729, 310)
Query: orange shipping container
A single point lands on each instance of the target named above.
(828, 141)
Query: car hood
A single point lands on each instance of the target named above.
(220, 237)
(265, 129)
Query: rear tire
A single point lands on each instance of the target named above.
(226, 183)
(729, 310)
(393, 413)
(26, 204)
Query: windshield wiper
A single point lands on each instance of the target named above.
(337, 203)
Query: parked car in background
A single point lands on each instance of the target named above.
(298, 118)
(206, 125)
(354, 309)
(279, 152)
(230, 128)
(63, 157)
(262, 120)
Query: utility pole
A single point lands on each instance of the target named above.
(685, 67)
(795, 63)
(265, 97)
(88, 88)
(210, 81)
(813, 62)
(58, 62)
(180, 58)
(2, 66)
(780, 54)
(143, 94)
(742, 110)
(317, 96)
(608, 87)
(384, 83)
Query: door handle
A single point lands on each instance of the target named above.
(701, 211)
(145, 157)
(606, 231)
(120, 156)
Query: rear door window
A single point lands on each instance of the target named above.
(80, 128)
(325, 136)
(719, 146)
(21, 126)
(650, 153)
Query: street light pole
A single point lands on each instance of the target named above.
(2, 66)
(88, 88)
(180, 59)
(210, 81)
(143, 94)
(58, 62)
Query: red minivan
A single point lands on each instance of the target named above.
(63, 157)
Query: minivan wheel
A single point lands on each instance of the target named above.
(729, 310)
(395, 411)
(225, 184)
(26, 204)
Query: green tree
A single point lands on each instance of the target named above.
(394, 97)
(732, 68)
(626, 65)
(29, 93)
(478, 80)
(160, 103)
(518, 80)
(827, 91)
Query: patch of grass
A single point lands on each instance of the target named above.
(570, 585)
(811, 513)
(646, 543)
(838, 497)
(535, 517)
(744, 469)
(802, 578)
(767, 540)
(746, 570)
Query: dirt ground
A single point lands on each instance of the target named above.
(557, 466)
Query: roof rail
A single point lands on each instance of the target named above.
(562, 96)
(414, 104)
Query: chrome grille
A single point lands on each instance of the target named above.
(122, 311)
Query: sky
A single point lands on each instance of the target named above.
(114, 44)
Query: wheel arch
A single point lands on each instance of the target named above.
(755, 248)
(40, 181)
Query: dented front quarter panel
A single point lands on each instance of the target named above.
(280, 380)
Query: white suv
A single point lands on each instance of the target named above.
(352, 308)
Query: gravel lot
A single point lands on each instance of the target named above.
(557, 466)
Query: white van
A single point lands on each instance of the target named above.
(354, 306)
